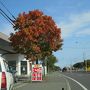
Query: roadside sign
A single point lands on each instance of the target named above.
(36, 72)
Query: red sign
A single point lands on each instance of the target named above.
(36, 72)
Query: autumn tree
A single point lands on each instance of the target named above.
(36, 35)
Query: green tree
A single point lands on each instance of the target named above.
(57, 68)
(79, 65)
(51, 60)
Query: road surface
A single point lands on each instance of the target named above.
(59, 81)
(54, 81)
(78, 80)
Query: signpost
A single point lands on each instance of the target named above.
(36, 72)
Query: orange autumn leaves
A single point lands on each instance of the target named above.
(36, 35)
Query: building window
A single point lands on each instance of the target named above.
(12, 64)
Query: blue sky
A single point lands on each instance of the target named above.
(72, 16)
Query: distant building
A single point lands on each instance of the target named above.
(17, 61)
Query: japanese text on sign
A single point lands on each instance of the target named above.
(36, 73)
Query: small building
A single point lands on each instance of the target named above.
(17, 61)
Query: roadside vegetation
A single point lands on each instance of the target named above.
(51, 61)
(79, 66)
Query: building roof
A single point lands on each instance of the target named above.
(5, 43)
(4, 37)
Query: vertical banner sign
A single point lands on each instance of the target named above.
(36, 72)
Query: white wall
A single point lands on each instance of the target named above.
(22, 58)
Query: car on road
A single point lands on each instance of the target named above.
(6, 78)
(64, 69)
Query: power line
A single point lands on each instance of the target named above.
(6, 16)
(7, 9)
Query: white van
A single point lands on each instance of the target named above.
(6, 78)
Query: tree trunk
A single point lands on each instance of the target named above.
(37, 61)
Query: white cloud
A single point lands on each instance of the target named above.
(84, 32)
(74, 23)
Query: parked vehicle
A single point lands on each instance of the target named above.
(6, 78)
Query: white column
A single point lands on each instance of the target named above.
(45, 70)
(18, 67)
(28, 68)
(20, 58)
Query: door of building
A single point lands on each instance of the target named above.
(23, 67)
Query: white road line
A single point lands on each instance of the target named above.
(68, 85)
(69, 88)
(84, 88)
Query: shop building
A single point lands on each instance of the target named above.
(17, 61)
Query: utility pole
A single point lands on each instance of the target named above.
(86, 65)
(85, 61)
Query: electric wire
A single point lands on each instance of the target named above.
(7, 9)
(6, 16)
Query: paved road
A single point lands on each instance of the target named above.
(59, 81)
(54, 81)
(82, 78)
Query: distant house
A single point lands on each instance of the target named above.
(17, 61)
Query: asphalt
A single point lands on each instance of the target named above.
(82, 77)
(53, 81)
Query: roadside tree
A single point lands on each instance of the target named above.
(51, 60)
(78, 65)
(36, 35)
